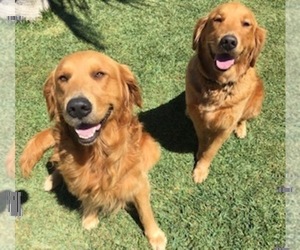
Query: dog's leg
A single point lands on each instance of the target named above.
(35, 149)
(150, 151)
(90, 215)
(241, 129)
(155, 235)
(209, 144)
(252, 109)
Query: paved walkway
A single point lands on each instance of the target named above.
(22, 9)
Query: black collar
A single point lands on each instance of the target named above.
(214, 82)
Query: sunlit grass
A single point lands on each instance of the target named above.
(237, 207)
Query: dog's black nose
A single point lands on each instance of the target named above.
(228, 42)
(79, 107)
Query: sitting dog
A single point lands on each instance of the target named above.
(223, 90)
(101, 150)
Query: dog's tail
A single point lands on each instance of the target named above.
(35, 149)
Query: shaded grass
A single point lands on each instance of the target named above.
(237, 207)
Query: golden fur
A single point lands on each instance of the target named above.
(109, 168)
(223, 89)
(10, 161)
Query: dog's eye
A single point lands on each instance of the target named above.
(63, 78)
(218, 19)
(99, 75)
(246, 23)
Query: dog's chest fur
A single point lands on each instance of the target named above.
(213, 97)
(219, 106)
(104, 180)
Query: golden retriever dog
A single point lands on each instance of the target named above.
(223, 89)
(102, 152)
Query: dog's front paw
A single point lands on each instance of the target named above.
(158, 240)
(52, 181)
(90, 222)
(241, 130)
(200, 174)
(48, 185)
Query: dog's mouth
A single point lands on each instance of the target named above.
(224, 61)
(88, 133)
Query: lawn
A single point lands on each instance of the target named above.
(237, 207)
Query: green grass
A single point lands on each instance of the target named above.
(237, 207)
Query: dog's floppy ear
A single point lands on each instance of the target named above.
(197, 31)
(49, 95)
(260, 37)
(132, 90)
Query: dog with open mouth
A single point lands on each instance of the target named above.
(223, 90)
(101, 151)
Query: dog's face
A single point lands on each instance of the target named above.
(230, 36)
(88, 89)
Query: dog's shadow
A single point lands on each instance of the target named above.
(62, 194)
(170, 126)
(69, 201)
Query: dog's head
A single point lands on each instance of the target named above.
(87, 90)
(228, 38)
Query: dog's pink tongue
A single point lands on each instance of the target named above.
(224, 61)
(86, 132)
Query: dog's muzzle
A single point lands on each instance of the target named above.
(87, 133)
